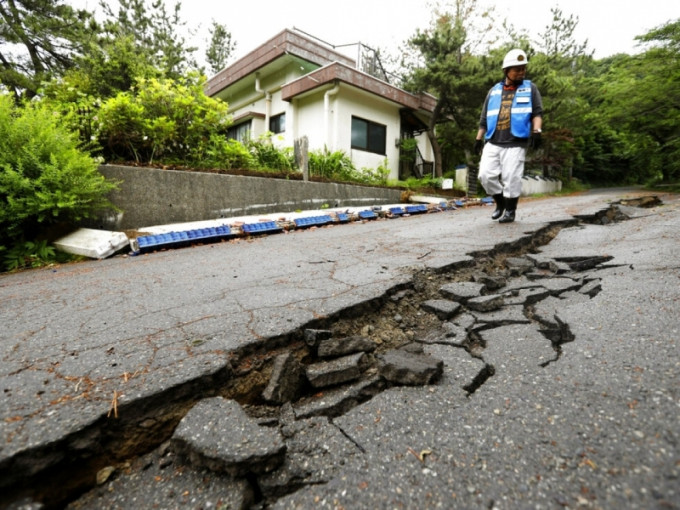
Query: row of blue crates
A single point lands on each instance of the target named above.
(154, 242)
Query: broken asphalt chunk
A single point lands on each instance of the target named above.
(286, 380)
(491, 282)
(486, 303)
(462, 291)
(401, 367)
(218, 435)
(316, 450)
(519, 265)
(526, 296)
(336, 371)
(332, 347)
(314, 336)
(442, 308)
(506, 315)
(552, 265)
(558, 285)
(339, 400)
(584, 263)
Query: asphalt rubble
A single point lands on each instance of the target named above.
(502, 379)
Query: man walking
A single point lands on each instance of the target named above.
(511, 121)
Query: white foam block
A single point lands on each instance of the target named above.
(96, 244)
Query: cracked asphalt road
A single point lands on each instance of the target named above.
(595, 429)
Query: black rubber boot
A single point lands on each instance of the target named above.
(510, 208)
(500, 206)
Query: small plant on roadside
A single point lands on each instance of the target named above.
(331, 165)
(376, 176)
(269, 156)
(224, 153)
(28, 254)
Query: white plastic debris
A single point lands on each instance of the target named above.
(96, 244)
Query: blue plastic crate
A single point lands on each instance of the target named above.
(313, 221)
(487, 200)
(343, 217)
(397, 211)
(416, 209)
(262, 227)
(182, 238)
(367, 215)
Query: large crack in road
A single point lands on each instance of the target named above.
(432, 312)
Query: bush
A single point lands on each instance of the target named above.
(45, 179)
(220, 152)
(376, 176)
(268, 156)
(169, 120)
(331, 165)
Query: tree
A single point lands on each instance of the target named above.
(220, 47)
(558, 66)
(642, 99)
(449, 70)
(156, 34)
(40, 40)
(558, 37)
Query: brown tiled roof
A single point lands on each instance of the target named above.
(286, 42)
(338, 72)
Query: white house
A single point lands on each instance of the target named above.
(295, 86)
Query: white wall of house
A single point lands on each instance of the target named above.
(332, 128)
(355, 103)
(325, 117)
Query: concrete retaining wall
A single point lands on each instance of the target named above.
(149, 196)
(533, 184)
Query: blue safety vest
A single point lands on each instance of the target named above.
(520, 113)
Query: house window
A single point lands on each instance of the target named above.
(368, 136)
(240, 132)
(277, 124)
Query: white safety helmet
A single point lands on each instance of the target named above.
(515, 57)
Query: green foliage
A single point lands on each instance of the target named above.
(38, 41)
(331, 165)
(449, 70)
(377, 176)
(640, 96)
(157, 35)
(168, 120)
(220, 48)
(220, 152)
(268, 156)
(112, 65)
(414, 183)
(44, 40)
(45, 179)
(338, 166)
(28, 254)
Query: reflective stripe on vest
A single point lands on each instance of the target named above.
(520, 113)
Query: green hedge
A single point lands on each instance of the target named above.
(44, 178)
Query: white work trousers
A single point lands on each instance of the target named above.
(501, 170)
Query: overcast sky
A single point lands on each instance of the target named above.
(609, 25)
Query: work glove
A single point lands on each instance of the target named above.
(535, 141)
(479, 145)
